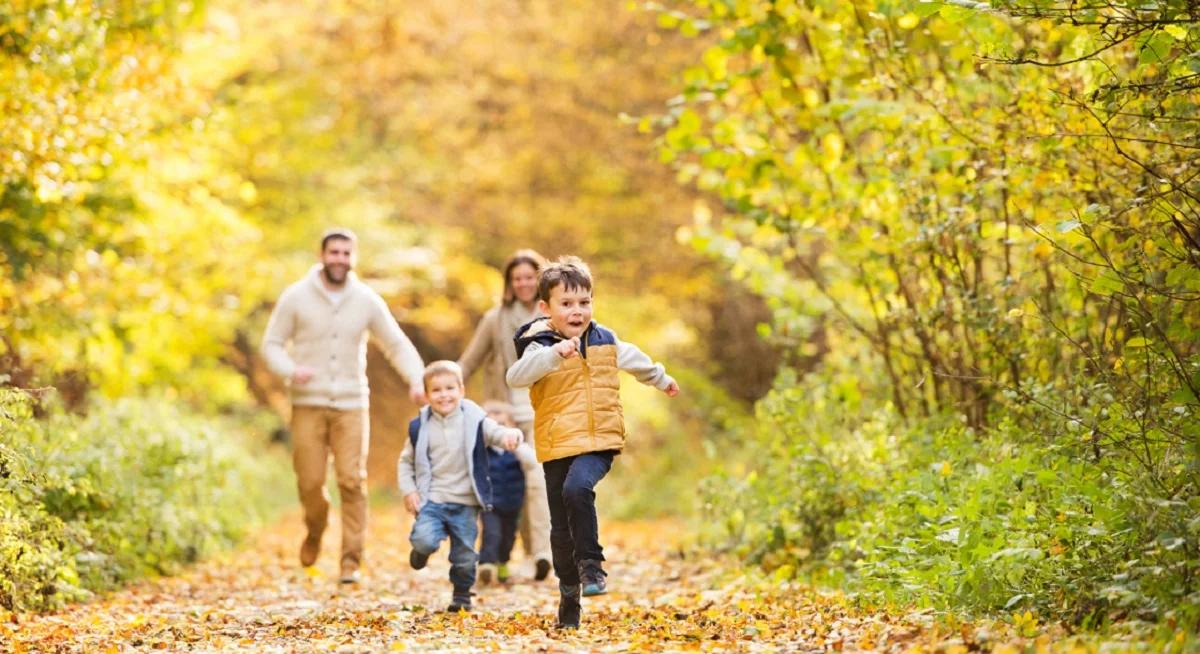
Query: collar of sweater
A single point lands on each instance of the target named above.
(443, 419)
(541, 331)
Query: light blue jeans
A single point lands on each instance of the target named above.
(461, 523)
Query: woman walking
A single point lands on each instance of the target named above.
(492, 350)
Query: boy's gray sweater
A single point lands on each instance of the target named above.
(439, 467)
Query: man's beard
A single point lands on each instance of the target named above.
(333, 280)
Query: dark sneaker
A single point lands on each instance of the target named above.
(568, 607)
(594, 587)
(592, 577)
(460, 603)
(309, 550)
(417, 560)
(541, 570)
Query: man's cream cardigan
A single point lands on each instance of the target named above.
(331, 339)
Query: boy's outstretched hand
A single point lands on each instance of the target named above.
(412, 502)
(673, 389)
(512, 439)
(568, 348)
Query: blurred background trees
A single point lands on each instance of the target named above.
(172, 166)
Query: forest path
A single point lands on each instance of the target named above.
(259, 599)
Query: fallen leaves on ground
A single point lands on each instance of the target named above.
(260, 600)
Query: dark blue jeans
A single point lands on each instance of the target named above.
(458, 521)
(574, 531)
(499, 533)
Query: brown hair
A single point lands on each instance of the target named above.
(337, 234)
(438, 368)
(520, 257)
(569, 272)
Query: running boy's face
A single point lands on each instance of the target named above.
(570, 310)
(444, 393)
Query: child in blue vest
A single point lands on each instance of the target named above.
(443, 475)
(508, 496)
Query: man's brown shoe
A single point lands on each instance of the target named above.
(309, 550)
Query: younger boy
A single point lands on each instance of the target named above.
(508, 495)
(443, 475)
(570, 364)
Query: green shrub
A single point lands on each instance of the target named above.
(135, 488)
(934, 514)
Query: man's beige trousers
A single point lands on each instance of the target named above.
(318, 432)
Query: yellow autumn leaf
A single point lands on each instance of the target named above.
(832, 147)
(1178, 31)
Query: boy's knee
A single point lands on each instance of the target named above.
(577, 495)
(423, 542)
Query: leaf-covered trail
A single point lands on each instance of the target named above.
(258, 599)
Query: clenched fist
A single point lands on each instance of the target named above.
(672, 390)
(568, 348)
(512, 438)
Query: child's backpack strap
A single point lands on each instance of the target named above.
(483, 477)
(414, 430)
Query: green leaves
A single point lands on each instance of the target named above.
(1107, 283)
(135, 488)
(1155, 47)
(1000, 243)
(1068, 225)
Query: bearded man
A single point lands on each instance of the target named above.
(325, 318)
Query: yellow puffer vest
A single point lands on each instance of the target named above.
(577, 408)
